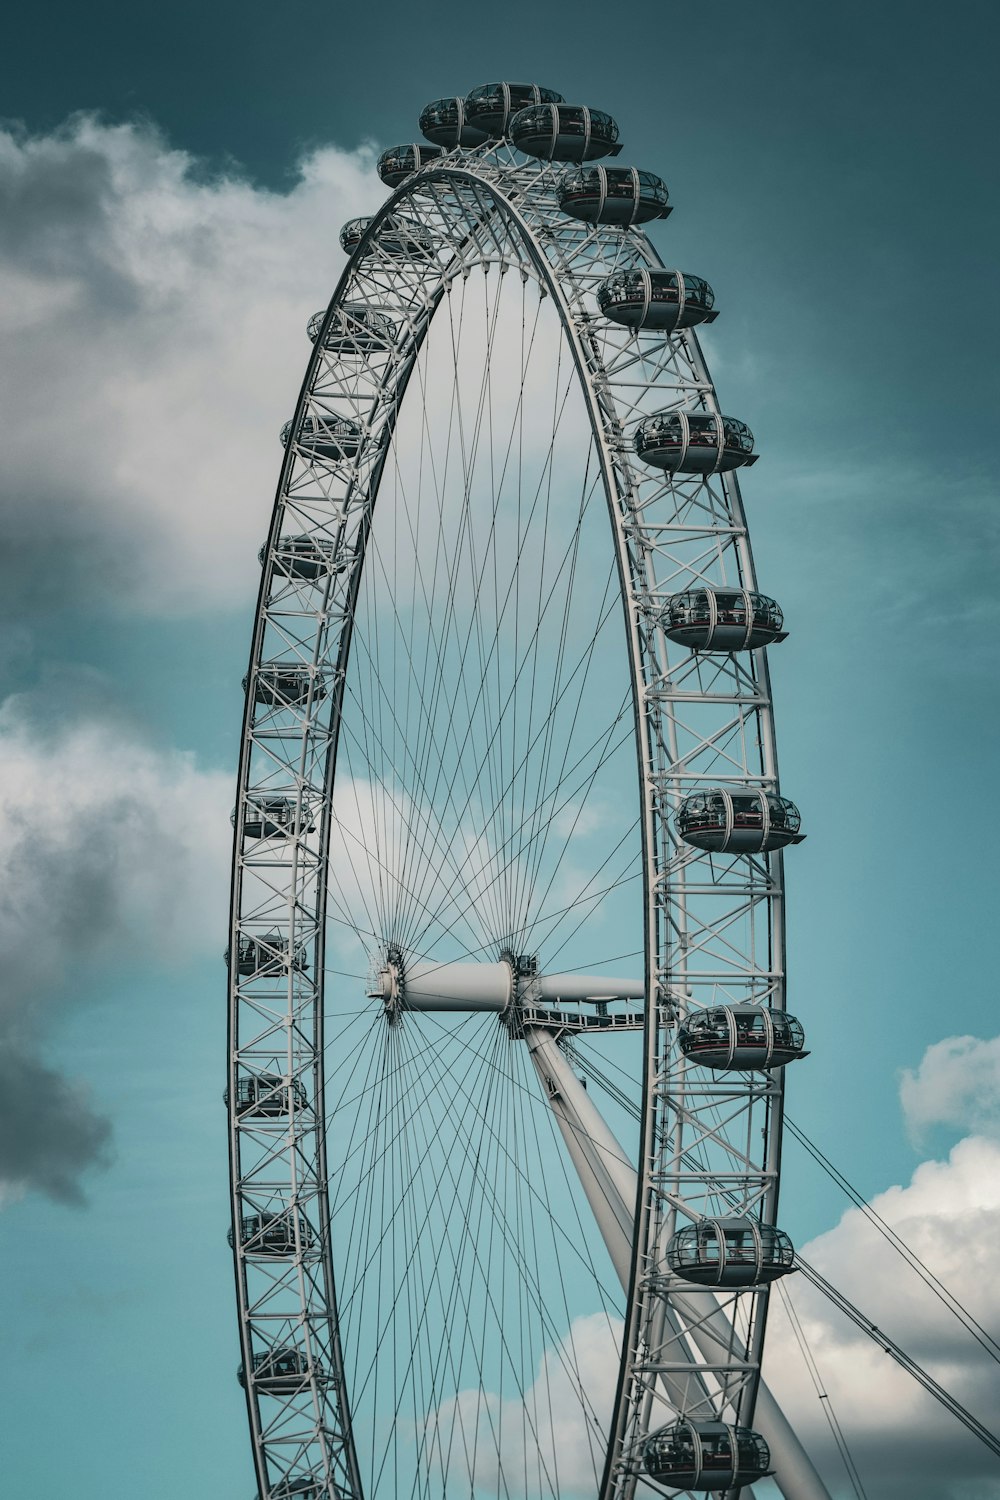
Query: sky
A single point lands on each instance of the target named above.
(172, 181)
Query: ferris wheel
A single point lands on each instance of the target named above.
(507, 1005)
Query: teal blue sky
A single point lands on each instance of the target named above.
(833, 171)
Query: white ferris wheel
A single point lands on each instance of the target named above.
(507, 1017)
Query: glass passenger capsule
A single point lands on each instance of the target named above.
(277, 1371)
(653, 298)
(279, 685)
(743, 1037)
(301, 1487)
(398, 236)
(272, 817)
(614, 195)
(307, 558)
(490, 107)
(354, 328)
(325, 436)
(730, 1252)
(721, 619)
(694, 442)
(738, 820)
(564, 132)
(269, 1235)
(267, 1094)
(696, 1455)
(443, 121)
(267, 956)
(400, 162)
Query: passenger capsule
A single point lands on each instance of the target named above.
(279, 685)
(270, 1235)
(564, 132)
(267, 957)
(277, 1371)
(400, 162)
(614, 195)
(354, 328)
(400, 237)
(275, 817)
(738, 820)
(305, 558)
(653, 298)
(721, 619)
(268, 1094)
(730, 1252)
(696, 1455)
(745, 1037)
(490, 107)
(301, 1488)
(694, 442)
(325, 436)
(443, 121)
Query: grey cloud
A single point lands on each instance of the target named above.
(153, 323)
(57, 200)
(108, 848)
(49, 1134)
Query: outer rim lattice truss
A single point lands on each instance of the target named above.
(713, 923)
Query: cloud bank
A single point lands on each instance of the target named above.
(110, 849)
(949, 1216)
(153, 321)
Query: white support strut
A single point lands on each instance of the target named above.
(610, 1183)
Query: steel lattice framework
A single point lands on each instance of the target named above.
(713, 923)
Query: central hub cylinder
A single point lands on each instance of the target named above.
(461, 986)
(420, 984)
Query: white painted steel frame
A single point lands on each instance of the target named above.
(714, 929)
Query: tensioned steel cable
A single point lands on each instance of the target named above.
(822, 1395)
(514, 1242)
(461, 1091)
(464, 539)
(482, 675)
(910, 1365)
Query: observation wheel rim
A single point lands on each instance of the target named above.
(588, 377)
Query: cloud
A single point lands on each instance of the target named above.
(552, 1436)
(109, 848)
(957, 1083)
(153, 321)
(903, 1442)
(49, 1134)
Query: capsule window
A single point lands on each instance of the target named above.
(620, 186)
(702, 429)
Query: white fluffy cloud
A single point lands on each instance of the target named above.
(109, 848)
(550, 1434)
(902, 1440)
(153, 322)
(956, 1084)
